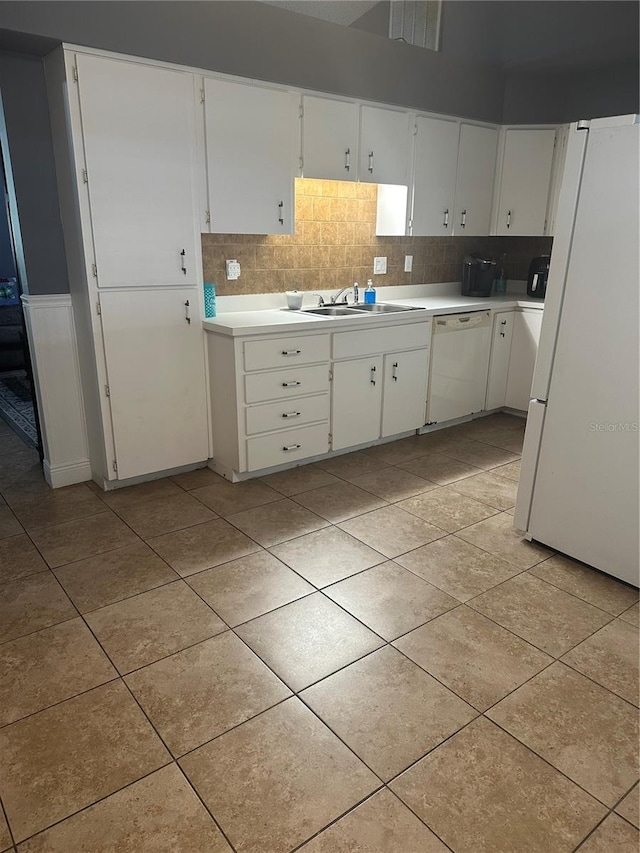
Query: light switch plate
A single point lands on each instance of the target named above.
(379, 266)
(233, 270)
(408, 263)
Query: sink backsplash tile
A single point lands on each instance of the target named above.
(334, 244)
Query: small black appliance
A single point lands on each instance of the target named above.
(538, 275)
(477, 275)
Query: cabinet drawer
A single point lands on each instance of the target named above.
(376, 341)
(281, 352)
(286, 413)
(280, 384)
(264, 451)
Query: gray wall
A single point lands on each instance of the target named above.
(256, 40)
(29, 135)
(569, 96)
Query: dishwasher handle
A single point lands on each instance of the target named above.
(461, 322)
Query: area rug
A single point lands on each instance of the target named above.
(16, 407)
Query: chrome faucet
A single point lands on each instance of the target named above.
(353, 287)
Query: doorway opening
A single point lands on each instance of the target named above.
(18, 410)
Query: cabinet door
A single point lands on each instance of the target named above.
(252, 137)
(384, 146)
(525, 180)
(329, 139)
(356, 398)
(405, 391)
(138, 126)
(435, 163)
(499, 363)
(475, 179)
(522, 361)
(155, 370)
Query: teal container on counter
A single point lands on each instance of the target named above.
(209, 300)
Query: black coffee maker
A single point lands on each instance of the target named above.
(538, 275)
(477, 275)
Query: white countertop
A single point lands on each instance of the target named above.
(236, 323)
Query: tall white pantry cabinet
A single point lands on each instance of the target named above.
(124, 141)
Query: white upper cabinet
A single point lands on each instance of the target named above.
(475, 180)
(252, 144)
(524, 181)
(138, 129)
(329, 139)
(435, 164)
(385, 140)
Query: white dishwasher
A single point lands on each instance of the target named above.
(460, 349)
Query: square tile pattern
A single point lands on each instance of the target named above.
(355, 656)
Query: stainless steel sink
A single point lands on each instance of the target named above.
(332, 311)
(383, 308)
(360, 308)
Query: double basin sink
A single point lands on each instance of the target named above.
(344, 310)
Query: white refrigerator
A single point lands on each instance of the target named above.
(578, 490)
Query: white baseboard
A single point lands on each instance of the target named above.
(58, 389)
(66, 475)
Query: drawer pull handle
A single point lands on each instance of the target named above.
(288, 448)
(281, 212)
(291, 384)
(291, 352)
(509, 219)
(373, 375)
(183, 261)
(446, 218)
(291, 414)
(463, 219)
(347, 159)
(394, 372)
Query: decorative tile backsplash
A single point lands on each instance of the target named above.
(334, 244)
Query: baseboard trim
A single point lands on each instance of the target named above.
(67, 474)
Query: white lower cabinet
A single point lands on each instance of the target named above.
(383, 393)
(499, 363)
(522, 360)
(404, 391)
(356, 400)
(155, 368)
(276, 448)
(270, 398)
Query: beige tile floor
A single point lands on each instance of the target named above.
(358, 656)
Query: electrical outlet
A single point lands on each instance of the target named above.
(233, 270)
(408, 263)
(379, 266)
